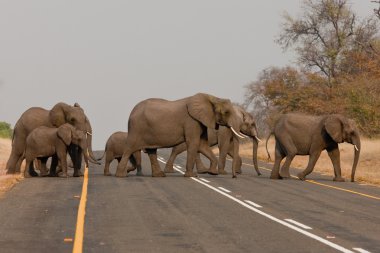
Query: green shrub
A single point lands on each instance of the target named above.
(5, 130)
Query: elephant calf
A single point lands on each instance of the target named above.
(44, 142)
(298, 134)
(114, 150)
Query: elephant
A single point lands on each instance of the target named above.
(158, 123)
(224, 139)
(35, 117)
(44, 142)
(298, 134)
(114, 150)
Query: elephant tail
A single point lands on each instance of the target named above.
(266, 146)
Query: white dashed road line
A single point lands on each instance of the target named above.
(253, 203)
(224, 189)
(298, 224)
(204, 180)
(360, 250)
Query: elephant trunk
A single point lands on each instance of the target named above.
(254, 155)
(357, 145)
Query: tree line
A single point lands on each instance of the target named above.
(337, 69)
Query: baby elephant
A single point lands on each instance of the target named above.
(114, 150)
(298, 134)
(45, 142)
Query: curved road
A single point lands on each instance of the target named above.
(204, 214)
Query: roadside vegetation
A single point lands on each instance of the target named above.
(5, 130)
(337, 70)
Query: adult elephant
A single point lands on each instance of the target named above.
(298, 134)
(224, 138)
(158, 123)
(60, 114)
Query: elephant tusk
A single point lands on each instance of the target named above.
(237, 134)
(89, 133)
(244, 135)
(257, 138)
(356, 148)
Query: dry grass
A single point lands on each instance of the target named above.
(368, 169)
(6, 181)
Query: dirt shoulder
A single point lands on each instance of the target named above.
(6, 181)
(367, 170)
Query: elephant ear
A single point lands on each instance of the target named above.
(57, 115)
(334, 128)
(201, 108)
(65, 133)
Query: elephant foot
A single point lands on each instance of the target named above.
(169, 170)
(190, 174)
(77, 173)
(130, 169)
(202, 171)
(258, 173)
(222, 172)
(301, 176)
(158, 174)
(339, 179)
(32, 173)
(121, 174)
(285, 174)
(272, 176)
(139, 173)
(107, 173)
(63, 174)
(239, 171)
(213, 172)
(44, 174)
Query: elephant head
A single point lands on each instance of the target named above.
(341, 130)
(248, 128)
(212, 112)
(63, 113)
(68, 134)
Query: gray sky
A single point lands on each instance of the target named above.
(109, 55)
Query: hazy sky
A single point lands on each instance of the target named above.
(109, 55)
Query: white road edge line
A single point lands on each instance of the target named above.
(298, 224)
(224, 189)
(204, 180)
(361, 250)
(253, 203)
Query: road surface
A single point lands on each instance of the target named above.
(177, 214)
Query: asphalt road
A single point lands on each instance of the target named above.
(177, 214)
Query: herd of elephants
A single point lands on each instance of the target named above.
(193, 124)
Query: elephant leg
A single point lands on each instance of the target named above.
(75, 153)
(109, 158)
(205, 149)
(223, 151)
(284, 172)
(136, 161)
(239, 161)
(279, 155)
(43, 169)
(53, 166)
(334, 155)
(156, 170)
(201, 168)
(63, 160)
(192, 150)
(175, 152)
(29, 163)
(310, 166)
(121, 170)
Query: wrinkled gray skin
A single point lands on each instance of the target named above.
(224, 138)
(298, 134)
(158, 123)
(44, 142)
(35, 117)
(114, 150)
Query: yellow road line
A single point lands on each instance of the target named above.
(326, 185)
(79, 231)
